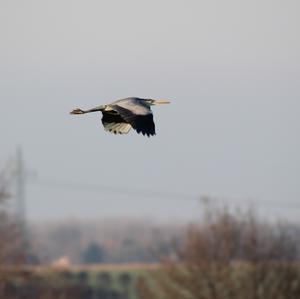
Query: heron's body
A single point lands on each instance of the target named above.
(122, 115)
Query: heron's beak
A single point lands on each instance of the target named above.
(158, 102)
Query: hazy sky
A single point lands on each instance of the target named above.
(230, 68)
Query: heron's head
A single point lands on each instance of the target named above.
(151, 102)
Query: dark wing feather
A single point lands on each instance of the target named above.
(142, 123)
(114, 123)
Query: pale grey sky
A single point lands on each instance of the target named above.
(230, 68)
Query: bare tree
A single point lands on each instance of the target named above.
(8, 230)
(8, 235)
(230, 255)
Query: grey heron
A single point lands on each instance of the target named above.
(122, 115)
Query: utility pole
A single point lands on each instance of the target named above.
(20, 174)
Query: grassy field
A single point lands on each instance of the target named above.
(96, 281)
(120, 281)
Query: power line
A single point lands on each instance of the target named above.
(70, 185)
(83, 186)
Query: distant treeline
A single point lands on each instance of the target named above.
(106, 241)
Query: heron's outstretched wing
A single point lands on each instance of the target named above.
(114, 123)
(141, 119)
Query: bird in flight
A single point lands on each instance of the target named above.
(122, 115)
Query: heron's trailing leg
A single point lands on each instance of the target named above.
(80, 111)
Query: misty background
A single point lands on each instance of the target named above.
(230, 68)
